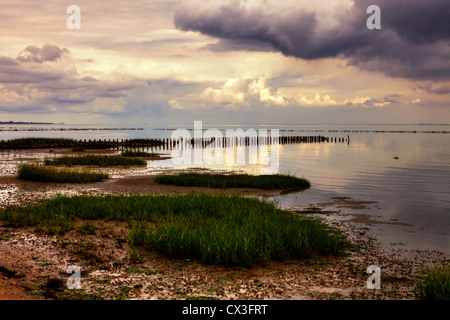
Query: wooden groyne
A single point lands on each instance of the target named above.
(41, 143)
(19, 128)
(367, 131)
(44, 129)
(163, 143)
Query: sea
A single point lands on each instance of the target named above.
(397, 176)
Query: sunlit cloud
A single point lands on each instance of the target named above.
(327, 101)
(381, 104)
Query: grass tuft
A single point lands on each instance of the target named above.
(277, 181)
(96, 160)
(40, 173)
(128, 153)
(434, 284)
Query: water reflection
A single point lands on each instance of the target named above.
(246, 159)
(414, 189)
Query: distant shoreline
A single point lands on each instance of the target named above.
(23, 122)
(248, 124)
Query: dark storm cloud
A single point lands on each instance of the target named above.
(416, 20)
(232, 44)
(413, 42)
(241, 27)
(429, 88)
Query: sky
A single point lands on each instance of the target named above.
(237, 61)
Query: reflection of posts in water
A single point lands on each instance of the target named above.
(238, 138)
(270, 157)
(213, 136)
(181, 155)
(211, 147)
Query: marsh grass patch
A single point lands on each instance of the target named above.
(41, 173)
(214, 229)
(434, 284)
(241, 180)
(96, 160)
(141, 154)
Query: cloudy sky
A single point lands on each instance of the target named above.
(237, 61)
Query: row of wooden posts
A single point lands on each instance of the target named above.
(167, 143)
(44, 129)
(368, 131)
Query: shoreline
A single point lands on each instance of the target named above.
(30, 261)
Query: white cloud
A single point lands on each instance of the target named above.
(176, 105)
(230, 94)
(326, 101)
(243, 93)
(259, 87)
(381, 104)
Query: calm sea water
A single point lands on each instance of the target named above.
(413, 189)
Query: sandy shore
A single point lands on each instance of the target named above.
(34, 266)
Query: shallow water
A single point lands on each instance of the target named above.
(413, 189)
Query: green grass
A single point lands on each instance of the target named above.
(434, 284)
(277, 181)
(96, 160)
(128, 153)
(218, 229)
(40, 173)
